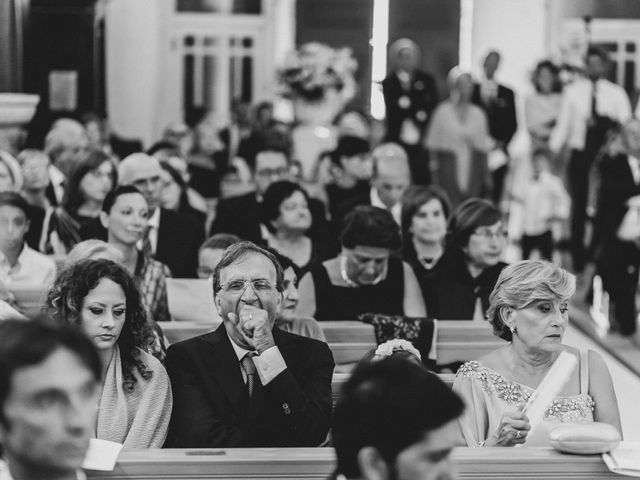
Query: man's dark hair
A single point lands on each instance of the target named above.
(595, 51)
(27, 343)
(219, 241)
(389, 405)
(112, 196)
(348, 146)
(12, 199)
(369, 226)
(273, 198)
(239, 250)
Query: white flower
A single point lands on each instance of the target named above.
(386, 349)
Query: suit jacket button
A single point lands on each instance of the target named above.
(285, 407)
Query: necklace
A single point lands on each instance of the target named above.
(427, 263)
(343, 272)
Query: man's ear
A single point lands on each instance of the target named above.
(216, 300)
(104, 220)
(372, 465)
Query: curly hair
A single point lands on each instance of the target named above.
(523, 282)
(64, 305)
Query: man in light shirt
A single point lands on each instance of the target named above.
(20, 265)
(49, 380)
(589, 108)
(248, 384)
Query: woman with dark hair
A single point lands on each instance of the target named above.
(174, 193)
(125, 215)
(365, 277)
(542, 107)
(425, 211)
(90, 181)
(529, 309)
(102, 299)
(284, 210)
(471, 264)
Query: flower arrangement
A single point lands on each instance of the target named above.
(314, 68)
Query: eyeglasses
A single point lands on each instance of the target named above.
(260, 285)
(272, 172)
(488, 234)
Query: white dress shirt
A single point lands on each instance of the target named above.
(544, 199)
(575, 111)
(32, 269)
(634, 165)
(269, 364)
(396, 210)
(153, 224)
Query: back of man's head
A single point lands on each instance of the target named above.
(389, 405)
(390, 157)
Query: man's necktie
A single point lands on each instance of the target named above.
(253, 382)
(594, 102)
(147, 250)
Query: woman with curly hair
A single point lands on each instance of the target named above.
(101, 298)
(366, 277)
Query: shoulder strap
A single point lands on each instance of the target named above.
(584, 371)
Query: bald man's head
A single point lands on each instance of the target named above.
(143, 172)
(391, 174)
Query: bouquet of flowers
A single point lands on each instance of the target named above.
(315, 68)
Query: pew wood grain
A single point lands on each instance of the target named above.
(317, 463)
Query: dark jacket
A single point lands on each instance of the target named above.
(501, 113)
(240, 216)
(179, 238)
(211, 401)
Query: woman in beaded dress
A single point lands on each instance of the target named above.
(529, 309)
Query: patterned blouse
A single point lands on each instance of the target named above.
(151, 277)
(488, 395)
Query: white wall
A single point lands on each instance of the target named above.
(518, 29)
(134, 46)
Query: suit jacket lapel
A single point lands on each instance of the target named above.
(225, 369)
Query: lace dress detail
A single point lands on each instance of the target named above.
(576, 408)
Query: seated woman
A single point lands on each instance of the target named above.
(124, 215)
(425, 211)
(469, 269)
(88, 185)
(285, 212)
(365, 277)
(174, 193)
(529, 309)
(287, 320)
(101, 298)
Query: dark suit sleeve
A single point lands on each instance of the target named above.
(223, 220)
(195, 420)
(511, 120)
(303, 408)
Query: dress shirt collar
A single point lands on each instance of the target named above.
(240, 352)
(154, 219)
(4, 261)
(634, 165)
(396, 210)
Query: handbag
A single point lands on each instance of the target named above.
(584, 438)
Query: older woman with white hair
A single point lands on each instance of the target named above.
(529, 309)
(458, 141)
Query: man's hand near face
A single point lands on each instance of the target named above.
(254, 326)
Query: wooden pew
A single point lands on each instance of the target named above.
(350, 340)
(317, 463)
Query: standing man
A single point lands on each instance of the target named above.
(499, 104)
(590, 108)
(49, 381)
(248, 384)
(410, 96)
(395, 420)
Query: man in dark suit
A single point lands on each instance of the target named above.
(248, 384)
(173, 238)
(410, 95)
(618, 259)
(499, 104)
(239, 215)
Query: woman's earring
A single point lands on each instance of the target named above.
(512, 328)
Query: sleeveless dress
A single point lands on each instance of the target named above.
(488, 395)
(335, 302)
